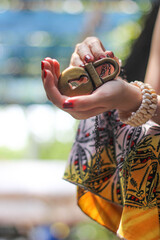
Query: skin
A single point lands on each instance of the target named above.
(116, 94)
(153, 70)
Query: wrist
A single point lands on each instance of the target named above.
(147, 109)
(132, 99)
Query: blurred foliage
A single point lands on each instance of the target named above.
(9, 154)
(90, 231)
(56, 150)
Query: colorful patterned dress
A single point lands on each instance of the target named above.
(124, 196)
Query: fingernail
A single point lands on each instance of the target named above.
(87, 58)
(110, 54)
(102, 56)
(42, 65)
(68, 104)
(45, 73)
(82, 65)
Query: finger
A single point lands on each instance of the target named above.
(56, 70)
(52, 65)
(97, 48)
(76, 60)
(55, 66)
(49, 60)
(109, 54)
(51, 90)
(84, 53)
(44, 65)
(82, 103)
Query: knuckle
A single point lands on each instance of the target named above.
(87, 39)
(78, 47)
(73, 58)
(90, 39)
(94, 40)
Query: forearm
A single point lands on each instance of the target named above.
(156, 117)
(153, 70)
(131, 99)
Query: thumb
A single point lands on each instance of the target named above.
(81, 103)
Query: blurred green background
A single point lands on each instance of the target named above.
(30, 126)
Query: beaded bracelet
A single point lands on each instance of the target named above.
(147, 109)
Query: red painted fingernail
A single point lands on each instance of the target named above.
(45, 73)
(87, 58)
(82, 65)
(68, 104)
(102, 56)
(110, 54)
(42, 65)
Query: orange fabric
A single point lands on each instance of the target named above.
(125, 195)
(100, 210)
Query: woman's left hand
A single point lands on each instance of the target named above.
(115, 94)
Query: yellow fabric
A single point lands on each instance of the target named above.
(125, 196)
(139, 224)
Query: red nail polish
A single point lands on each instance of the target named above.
(82, 65)
(45, 73)
(42, 65)
(68, 104)
(87, 58)
(110, 54)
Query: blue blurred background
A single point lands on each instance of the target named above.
(34, 138)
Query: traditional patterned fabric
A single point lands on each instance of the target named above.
(125, 195)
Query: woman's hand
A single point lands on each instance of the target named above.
(116, 94)
(113, 94)
(90, 50)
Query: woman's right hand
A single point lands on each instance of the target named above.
(90, 50)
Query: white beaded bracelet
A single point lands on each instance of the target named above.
(147, 109)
